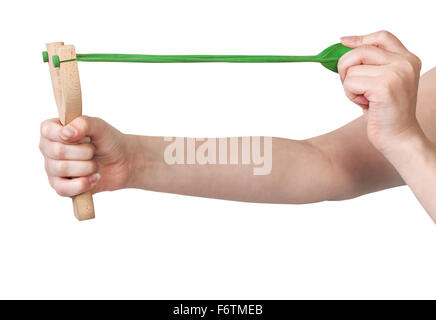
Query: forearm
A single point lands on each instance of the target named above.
(300, 173)
(414, 157)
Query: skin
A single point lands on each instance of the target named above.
(393, 143)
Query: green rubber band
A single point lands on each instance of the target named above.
(45, 56)
(328, 58)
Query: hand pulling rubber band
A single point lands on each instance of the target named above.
(328, 58)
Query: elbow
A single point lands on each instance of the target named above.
(335, 183)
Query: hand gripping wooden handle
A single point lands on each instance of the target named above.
(68, 96)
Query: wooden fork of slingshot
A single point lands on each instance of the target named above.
(68, 96)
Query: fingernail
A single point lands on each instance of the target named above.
(94, 178)
(67, 132)
(349, 39)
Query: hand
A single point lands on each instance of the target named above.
(381, 76)
(87, 154)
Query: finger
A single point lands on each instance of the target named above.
(70, 187)
(67, 168)
(61, 151)
(364, 71)
(382, 39)
(354, 91)
(355, 97)
(359, 85)
(366, 55)
(50, 129)
(358, 99)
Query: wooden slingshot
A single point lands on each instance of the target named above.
(68, 96)
(64, 74)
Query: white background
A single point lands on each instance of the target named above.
(150, 245)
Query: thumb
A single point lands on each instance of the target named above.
(82, 127)
(382, 39)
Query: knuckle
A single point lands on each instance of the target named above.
(409, 67)
(414, 63)
(62, 192)
(384, 34)
(47, 167)
(55, 185)
(61, 167)
(43, 128)
(341, 65)
(58, 151)
(51, 182)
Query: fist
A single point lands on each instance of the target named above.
(87, 154)
(381, 76)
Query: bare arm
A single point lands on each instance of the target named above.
(300, 174)
(339, 165)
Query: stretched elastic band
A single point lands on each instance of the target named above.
(328, 58)
(148, 58)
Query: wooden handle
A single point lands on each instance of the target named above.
(68, 96)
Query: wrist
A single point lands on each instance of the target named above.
(141, 161)
(134, 160)
(407, 145)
